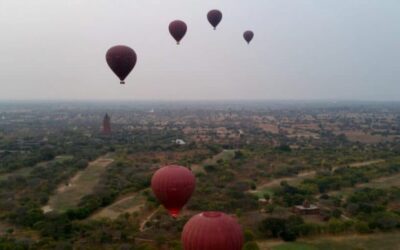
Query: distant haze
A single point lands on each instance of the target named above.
(303, 49)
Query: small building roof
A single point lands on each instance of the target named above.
(309, 207)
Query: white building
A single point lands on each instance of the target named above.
(180, 142)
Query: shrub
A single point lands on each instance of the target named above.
(251, 245)
(248, 235)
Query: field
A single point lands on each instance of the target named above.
(127, 204)
(69, 194)
(271, 128)
(359, 136)
(386, 241)
(164, 158)
(224, 155)
(20, 172)
(267, 187)
(7, 229)
(384, 182)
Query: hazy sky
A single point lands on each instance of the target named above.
(303, 49)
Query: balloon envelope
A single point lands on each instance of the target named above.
(248, 36)
(173, 185)
(214, 17)
(212, 231)
(177, 29)
(121, 59)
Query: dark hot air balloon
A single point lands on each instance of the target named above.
(121, 59)
(248, 36)
(214, 17)
(177, 29)
(173, 185)
(212, 231)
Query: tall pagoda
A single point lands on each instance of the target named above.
(106, 125)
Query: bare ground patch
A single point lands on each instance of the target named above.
(130, 203)
(359, 136)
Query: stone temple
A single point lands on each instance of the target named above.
(106, 125)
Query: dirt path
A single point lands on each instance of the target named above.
(129, 203)
(361, 164)
(143, 223)
(63, 188)
(366, 163)
(277, 182)
(383, 182)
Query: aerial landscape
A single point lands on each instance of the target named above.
(184, 125)
(323, 173)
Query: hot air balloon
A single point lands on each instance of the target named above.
(214, 17)
(212, 231)
(248, 36)
(121, 59)
(177, 29)
(173, 185)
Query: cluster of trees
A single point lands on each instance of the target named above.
(349, 177)
(325, 181)
(370, 205)
(289, 229)
(11, 161)
(13, 244)
(58, 232)
(289, 196)
(249, 241)
(286, 228)
(23, 196)
(219, 188)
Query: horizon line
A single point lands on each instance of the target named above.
(198, 100)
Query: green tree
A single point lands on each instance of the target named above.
(160, 240)
(288, 235)
(273, 226)
(248, 235)
(251, 245)
(175, 245)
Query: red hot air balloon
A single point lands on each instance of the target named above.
(212, 231)
(214, 17)
(121, 59)
(248, 36)
(177, 29)
(173, 185)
